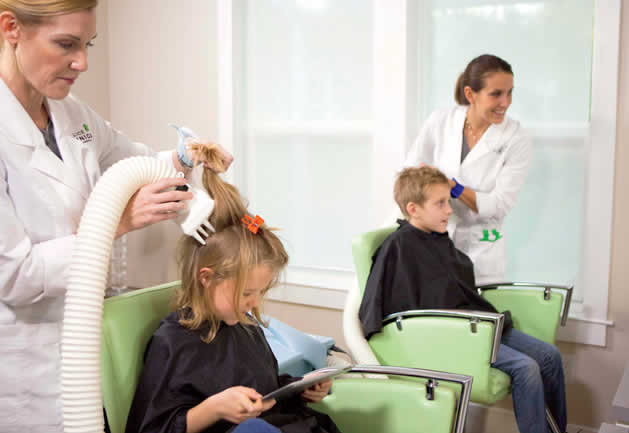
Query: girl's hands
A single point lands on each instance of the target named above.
(153, 203)
(236, 404)
(239, 403)
(317, 392)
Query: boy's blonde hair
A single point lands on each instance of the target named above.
(230, 253)
(413, 183)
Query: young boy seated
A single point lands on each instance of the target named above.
(418, 267)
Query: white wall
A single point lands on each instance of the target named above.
(93, 85)
(161, 70)
(154, 64)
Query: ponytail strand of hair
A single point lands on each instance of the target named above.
(459, 90)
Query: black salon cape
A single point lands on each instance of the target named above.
(181, 371)
(415, 270)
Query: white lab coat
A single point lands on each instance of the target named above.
(495, 169)
(41, 201)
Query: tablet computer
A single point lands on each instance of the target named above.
(300, 385)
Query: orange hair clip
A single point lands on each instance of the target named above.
(253, 224)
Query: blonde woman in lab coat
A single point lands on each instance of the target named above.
(53, 149)
(485, 154)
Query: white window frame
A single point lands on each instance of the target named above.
(394, 129)
(589, 321)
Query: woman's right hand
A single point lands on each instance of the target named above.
(153, 203)
(239, 403)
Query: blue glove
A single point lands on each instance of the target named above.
(457, 189)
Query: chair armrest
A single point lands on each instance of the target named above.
(473, 316)
(464, 381)
(433, 377)
(548, 287)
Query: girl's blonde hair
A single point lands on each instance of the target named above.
(230, 253)
(33, 12)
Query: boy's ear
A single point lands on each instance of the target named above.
(411, 208)
(9, 27)
(205, 274)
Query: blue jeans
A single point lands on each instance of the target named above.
(536, 380)
(255, 425)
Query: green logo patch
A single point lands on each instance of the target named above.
(494, 232)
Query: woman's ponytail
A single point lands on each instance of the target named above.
(459, 91)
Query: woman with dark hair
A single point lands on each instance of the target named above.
(486, 156)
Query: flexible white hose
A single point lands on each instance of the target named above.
(356, 343)
(83, 311)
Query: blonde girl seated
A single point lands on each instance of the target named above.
(208, 364)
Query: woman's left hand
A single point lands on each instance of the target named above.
(317, 392)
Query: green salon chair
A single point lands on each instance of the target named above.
(397, 399)
(129, 321)
(394, 400)
(459, 341)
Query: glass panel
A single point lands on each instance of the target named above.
(551, 99)
(546, 245)
(307, 105)
(308, 60)
(312, 197)
(531, 35)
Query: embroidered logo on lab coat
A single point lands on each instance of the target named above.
(487, 238)
(83, 135)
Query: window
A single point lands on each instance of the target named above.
(551, 100)
(551, 49)
(304, 121)
(320, 99)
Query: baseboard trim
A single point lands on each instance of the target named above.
(486, 419)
